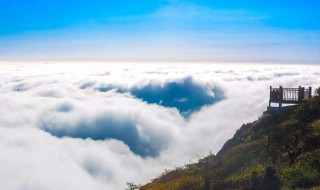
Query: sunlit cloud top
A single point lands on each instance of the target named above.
(161, 30)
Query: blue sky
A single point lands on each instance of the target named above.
(160, 30)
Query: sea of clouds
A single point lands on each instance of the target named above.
(100, 125)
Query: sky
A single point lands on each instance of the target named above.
(160, 30)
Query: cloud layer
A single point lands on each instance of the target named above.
(98, 126)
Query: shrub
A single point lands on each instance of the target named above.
(186, 183)
(317, 91)
(302, 176)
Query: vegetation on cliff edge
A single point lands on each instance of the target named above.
(273, 152)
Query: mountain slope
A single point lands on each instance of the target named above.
(273, 152)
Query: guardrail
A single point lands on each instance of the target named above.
(289, 95)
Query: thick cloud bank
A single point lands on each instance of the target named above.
(98, 126)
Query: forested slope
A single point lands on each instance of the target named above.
(273, 152)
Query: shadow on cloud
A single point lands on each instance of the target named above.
(21, 87)
(109, 127)
(186, 95)
(64, 107)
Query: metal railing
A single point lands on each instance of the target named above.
(289, 95)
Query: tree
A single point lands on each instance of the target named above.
(132, 186)
(271, 148)
(270, 179)
(256, 181)
(205, 167)
(290, 138)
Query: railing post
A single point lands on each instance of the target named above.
(280, 96)
(310, 92)
(270, 96)
(300, 94)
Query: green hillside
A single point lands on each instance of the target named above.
(273, 152)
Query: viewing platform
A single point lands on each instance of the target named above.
(291, 97)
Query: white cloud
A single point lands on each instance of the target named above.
(45, 124)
